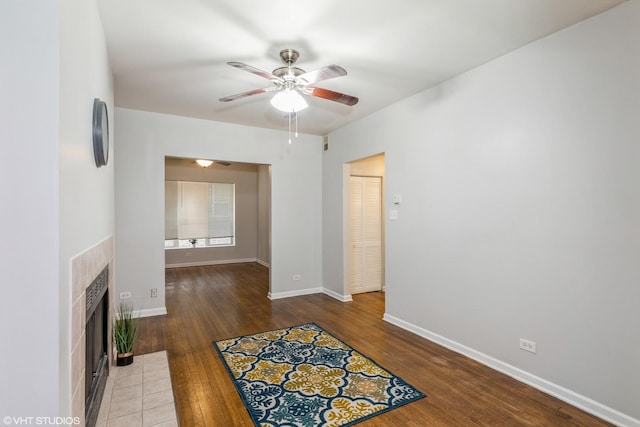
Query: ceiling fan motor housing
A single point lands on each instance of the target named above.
(289, 57)
(288, 73)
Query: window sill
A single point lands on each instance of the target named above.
(199, 247)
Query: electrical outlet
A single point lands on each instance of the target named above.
(527, 345)
(154, 292)
(297, 277)
(125, 295)
(187, 254)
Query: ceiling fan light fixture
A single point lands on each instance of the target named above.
(204, 163)
(289, 101)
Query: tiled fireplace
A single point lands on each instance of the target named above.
(85, 269)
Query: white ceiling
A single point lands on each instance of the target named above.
(169, 56)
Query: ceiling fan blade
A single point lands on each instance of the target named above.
(331, 95)
(248, 93)
(254, 70)
(324, 73)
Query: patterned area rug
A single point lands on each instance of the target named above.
(303, 376)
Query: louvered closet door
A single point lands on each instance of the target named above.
(366, 234)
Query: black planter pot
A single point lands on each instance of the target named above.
(124, 359)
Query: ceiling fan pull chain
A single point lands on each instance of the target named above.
(296, 125)
(289, 128)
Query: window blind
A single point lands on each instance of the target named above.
(196, 210)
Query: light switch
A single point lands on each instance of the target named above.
(393, 215)
(397, 199)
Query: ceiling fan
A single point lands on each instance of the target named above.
(290, 81)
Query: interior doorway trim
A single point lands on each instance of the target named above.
(346, 233)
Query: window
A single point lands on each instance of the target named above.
(199, 214)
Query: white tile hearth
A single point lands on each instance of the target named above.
(139, 395)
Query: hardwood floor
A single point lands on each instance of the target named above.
(215, 302)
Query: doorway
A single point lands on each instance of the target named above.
(366, 225)
(231, 216)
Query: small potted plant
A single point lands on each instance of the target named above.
(125, 328)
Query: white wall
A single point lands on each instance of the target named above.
(144, 139)
(86, 192)
(29, 214)
(63, 205)
(520, 214)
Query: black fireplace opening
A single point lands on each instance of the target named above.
(97, 345)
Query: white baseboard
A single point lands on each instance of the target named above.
(217, 262)
(150, 312)
(339, 297)
(586, 404)
(329, 292)
(263, 263)
(289, 294)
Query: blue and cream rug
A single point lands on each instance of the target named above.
(303, 376)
